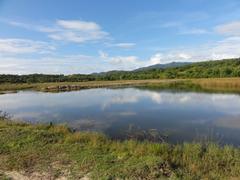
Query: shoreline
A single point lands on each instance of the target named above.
(54, 151)
(206, 84)
(80, 85)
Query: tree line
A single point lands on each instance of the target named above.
(207, 69)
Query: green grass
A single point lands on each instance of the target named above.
(58, 151)
(79, 85)
(211, 85)
(231, 85)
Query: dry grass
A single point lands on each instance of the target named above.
(79, 85)
(219, 84)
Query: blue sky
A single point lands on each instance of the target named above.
(86, 36)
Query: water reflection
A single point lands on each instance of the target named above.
(182, 116)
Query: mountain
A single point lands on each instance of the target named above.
(164, 66)
(155, 66)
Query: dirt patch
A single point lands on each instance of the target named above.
(14, 175)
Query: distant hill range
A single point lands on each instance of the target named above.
(203, 69)
(155, 66)
(164, 66)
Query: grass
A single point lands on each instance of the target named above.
(78, 85)
(212, 85)
(219, 84)
(207, 84)
(58, 151)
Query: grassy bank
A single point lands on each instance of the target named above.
(54, 151)
(219, 84)
(211, 84)
(215, 85)
(77, 85)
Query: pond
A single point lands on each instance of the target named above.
(159, 115)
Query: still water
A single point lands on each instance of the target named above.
(164, 115)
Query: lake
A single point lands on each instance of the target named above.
(159, 115)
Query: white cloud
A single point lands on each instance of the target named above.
(125, 62)
(194, 31)
(23, 46)
(163, 58)
(121, 62)
(124, 45)
(79, 25)
(133, 62)
(156, 59)
(182, 29)
(223, 49)
(83, 31)
(226, 48)
(229, 29)
(49, 65)
(120, 99)
(102, 54)
(76, 31)
(47, 29)
(19, 24)
(73, 64)
(123, 59)
(30, 26)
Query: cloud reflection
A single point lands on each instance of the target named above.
(36, 105)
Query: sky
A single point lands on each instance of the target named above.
(87, 36)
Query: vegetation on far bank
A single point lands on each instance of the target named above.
(231, 85)
(59, 152)
(208, 69)
(209, 75)
(61, 86)
(215, 85)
